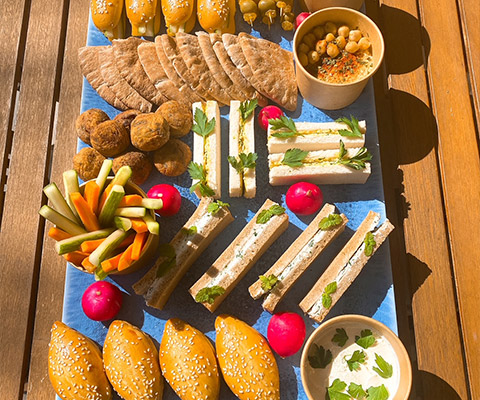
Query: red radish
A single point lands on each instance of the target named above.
(101, 301)
(286, 333)
(170, 196)
(300, 18)
(304, 198)
(266, 113)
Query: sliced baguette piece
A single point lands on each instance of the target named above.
(207, 150)
(188, 362)
(241, 140)
(315, 136)
(241, 255)
(346, 266)
(323, 173)
(299, 256)
(157, 289)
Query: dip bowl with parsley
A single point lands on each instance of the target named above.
(355, 357)
(336, 52)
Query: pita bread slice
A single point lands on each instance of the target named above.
(273, 70)
(130, 67)
(189, 95)
(171, 51)
(191, 52)
(90, 67)
(147, 54)
(128, 95)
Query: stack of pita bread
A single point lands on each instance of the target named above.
(134, 73)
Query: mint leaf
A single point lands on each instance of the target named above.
(331, 221)
(340, 337)
(356, 391)
(268, 282)
(352, 123)
(366, 339)
(326, 295)
(209, 294)
(167, 252)
(357, 358)
(216, 206)
(267, 214)
(247, 108)
(336, 389)
(201, 125)
(319, 357)
(284, 125)
(377, 393)
(294, 157)
(369, 244)
(385, 370)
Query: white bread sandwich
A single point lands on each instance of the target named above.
(281, 277)
(326, 167)
(209, 219)
(345, 267)
(242, 158)
(258, 235)
(284, 134)
(205, 169)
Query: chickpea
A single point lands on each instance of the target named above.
(355, 35)
(330, 27)
(313, 57)
(319, 32)
(344, 30)
(302, 57)
(330, 37)
(352, 47)
(303, 48)
(321, 47)
(341, 42)
(309, 39)
(364, 43)
(332, 50)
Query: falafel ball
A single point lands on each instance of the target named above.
(178, 116)
(87, 122)
(173, 158)
(127, 117)
(87, 162)
(149, 132)
(139, 162)
(110, 138)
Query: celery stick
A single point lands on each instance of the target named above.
(60, 221)
(131, 212)
(152, 204)
(110, 206)
(106, 248)
(58, 201)
(103, 174)
(71, 244)
(122, 223)
(70, 183)
(152, 225)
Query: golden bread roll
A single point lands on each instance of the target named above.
(131, 363)
(75, 366)
(145, 17)
(217, 16)
(188, 362)
(180, 15)
(246, 360)
(108, 17)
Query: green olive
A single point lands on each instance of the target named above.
(302, 47)
(330, 27)
(287, 26)
(309, 39)
(248, 6)
(290, 17)
(319, 32)
(303, 58)
(266, 5)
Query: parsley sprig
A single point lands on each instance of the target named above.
(170, 259)
(356, 391)
(201, 125)
(352, 123)
(294, 157)
(247, 108)
(377, 393)
(336, 389)
(215, 206)
(268, 282)
(327, 292)
(319, 357)
(209, 294)
(369, 244)
(244, 161)
(358, 161)
(330, 221)
(357, 358)
(266, 215)
(366, 339)
(190, 231)
(284, 127)
(197, 171)
(385, 370)
(340, 337)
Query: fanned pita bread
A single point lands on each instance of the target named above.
(130, 67)
(128, 95)
(189, 95)
(191, 52)
(273, 71)
(147, 54)
(90, 67)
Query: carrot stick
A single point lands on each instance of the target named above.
(127, 241)
(126, 258)
(138, 245)
(139, 225)
(92, 194)
(88, 265)
(75, 257)
(89, 219)
(111, 264)
(131, 200)
(58, 234)
(90, 245)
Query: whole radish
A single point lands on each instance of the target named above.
(266, 113)
(101, 301)
(304, 198)
(286, 333)
(172, 200)
(300, 18)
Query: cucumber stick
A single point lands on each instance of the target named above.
(122, 176)
(103, 174)
(71, 244)
(152, 225)
(70, 183)
(122, 223)
(60, 221)
(58, 201)
(110, 206)
(131, 212)
(106, 248)
(152, 204)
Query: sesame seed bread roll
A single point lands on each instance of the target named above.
(188, 362)
(75, 366)
(246, 360)
(131, 363)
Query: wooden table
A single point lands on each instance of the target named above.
(427, 98)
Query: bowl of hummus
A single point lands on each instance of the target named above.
(336, 51)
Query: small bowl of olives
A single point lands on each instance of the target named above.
(336, 51)
(315, 5)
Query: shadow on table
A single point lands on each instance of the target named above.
(442, 390)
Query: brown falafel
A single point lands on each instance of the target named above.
(178, 116)
(139, 162)
(127, 117)
(110, 138)
(173, 158)
(87, 122)
(149, 132)
(87, 162)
